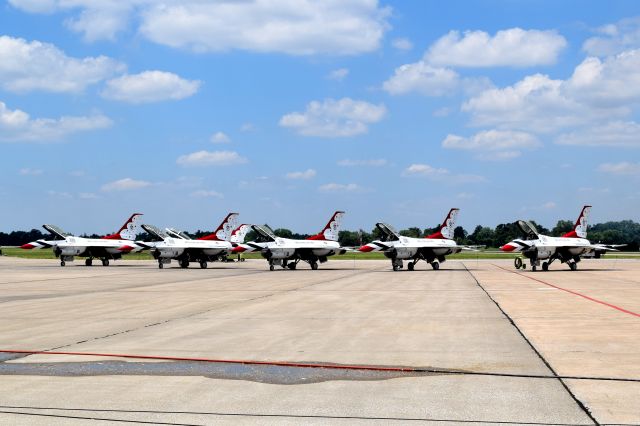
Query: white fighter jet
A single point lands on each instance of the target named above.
(173, 244)
(567, 248)
(288, 252)
(432, 249)
(66, 246)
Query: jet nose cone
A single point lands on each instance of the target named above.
(508, 247)
(366, 248)
(238, 249)
(27, 246)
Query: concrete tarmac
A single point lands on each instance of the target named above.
(484, 344)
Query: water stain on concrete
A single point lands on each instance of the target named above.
(272, 374)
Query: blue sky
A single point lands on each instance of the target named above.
(284, 112)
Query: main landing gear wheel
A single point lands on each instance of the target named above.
(292, 266)
(533, 268)
(160, 265)
(62, 263)
(271, 267)
(573, 266)
(545, 266)
(517, 262)
(105, 262)
(184, 263)
(410, 266)
(314, 265)
(88, 262)
(203, 265)
(435, 266)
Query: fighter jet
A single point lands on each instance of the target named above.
(66, 246)
(288, 252)
(432, 248)
(174, 244)
(567, 248)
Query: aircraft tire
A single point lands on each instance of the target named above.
(160, 265)
(573, 266)
(545, 266)
(517, 262)
(410, 266)
(203, 265)
(62, 263)
(533, 268)
(88, 262)
(105, 262)
(314, 265)
(435, 266)
(271, 267)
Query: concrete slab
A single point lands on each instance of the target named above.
(346, 313)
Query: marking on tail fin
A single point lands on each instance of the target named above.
(238, 234)
(580, 228)
(128, 230)
(446, 229)
(332, 228)
(223, 232)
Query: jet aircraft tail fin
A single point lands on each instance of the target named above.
(331, 229)
(223, 232)
(580, 228)
(446, 229)
(128, 230)
(238, 234)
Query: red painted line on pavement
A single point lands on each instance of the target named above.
(223, 361)
(575, 293)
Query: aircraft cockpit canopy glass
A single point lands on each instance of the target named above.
(527, 228)
(388, 232)
(155, 232)
(175, 233)
(57, 232)
(264, 233)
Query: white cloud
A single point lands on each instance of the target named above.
(612, 82)
(440, 174)
(58, 194)
(402, 43)
(247, 127)
(536, 103)
(339, 187)
(512, 47)
(368, 163)
(334, 118)
(549, 205)
(211, 158)
(30, 172)
(615, 133)
(425, 170)
(624, 168)
(87, 196)
(305, 27)
(18, 126)
(126, 184)
(422, 78)
(206, 194)
(493, 145)
(220, 137)
(339, 74)
(27, 66)
(150, 86)
(614, 38)
(598, 91)
(307, 174)
(336, 27)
